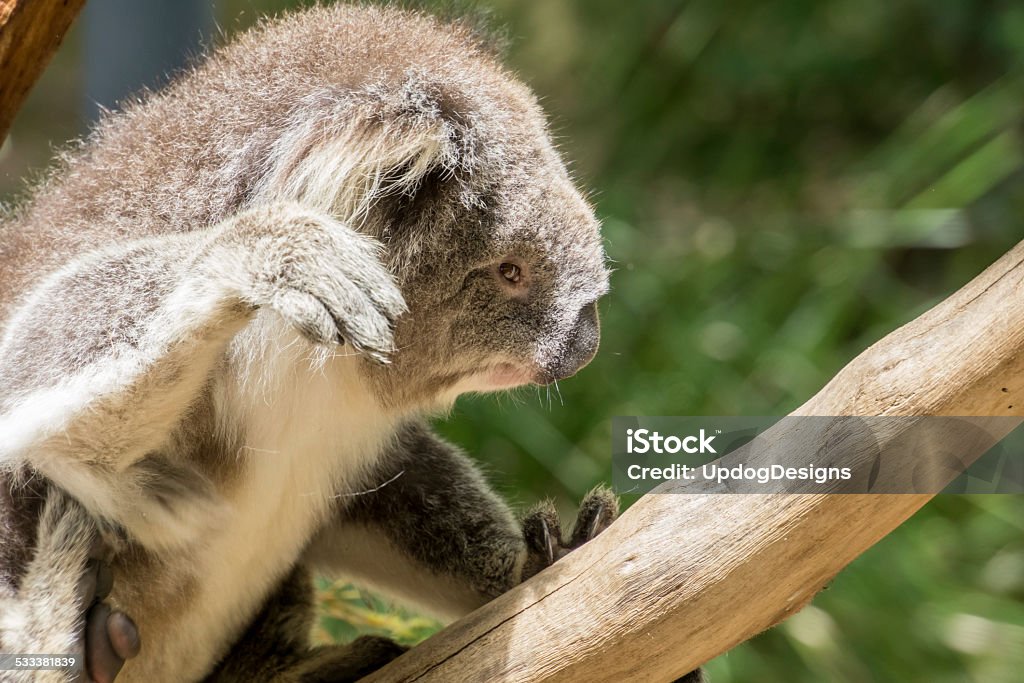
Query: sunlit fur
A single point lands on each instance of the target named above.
(165, 362)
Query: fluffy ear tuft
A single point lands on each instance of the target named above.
(346, 151)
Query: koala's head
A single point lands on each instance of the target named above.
(434, 149)
(502, 269)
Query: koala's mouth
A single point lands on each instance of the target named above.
(508, 375)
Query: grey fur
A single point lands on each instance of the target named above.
(354, 175)
(42, 613)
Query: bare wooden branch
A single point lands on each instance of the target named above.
(680, 579)
(30, 33)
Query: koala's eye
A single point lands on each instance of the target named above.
(511, 272)
(512, 276)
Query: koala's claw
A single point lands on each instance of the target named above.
(598, 510)
(348, 314)
(542, 529)
(368, 331)
(323, 277)
(111, 637)
(543, 534)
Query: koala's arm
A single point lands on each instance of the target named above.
(104, 358)
(428, 529)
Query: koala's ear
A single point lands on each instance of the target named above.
(343, 157)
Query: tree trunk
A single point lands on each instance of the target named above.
(30, 32)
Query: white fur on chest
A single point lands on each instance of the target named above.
(309, 431)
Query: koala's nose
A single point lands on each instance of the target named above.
(580, 346)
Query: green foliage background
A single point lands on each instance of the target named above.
(781, 183)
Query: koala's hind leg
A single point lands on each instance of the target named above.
(430, 531)
(40, 611)
(49, 580)
(276, 648)
(104, 359)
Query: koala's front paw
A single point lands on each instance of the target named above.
(543, 530)
(323, 277)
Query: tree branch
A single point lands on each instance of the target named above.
(30, 33)
(680, 579)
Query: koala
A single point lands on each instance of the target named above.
(226, 318)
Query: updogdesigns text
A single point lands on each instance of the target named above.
(720, 474)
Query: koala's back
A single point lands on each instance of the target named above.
(193, 154)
